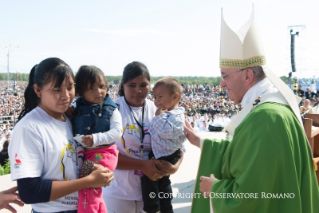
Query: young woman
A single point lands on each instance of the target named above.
(125, 193)
(45, 159)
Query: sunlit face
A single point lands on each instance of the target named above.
(136, 90)
(164, 99)
(55, 101)
(233, 84)
(96, 93)
(306, 103)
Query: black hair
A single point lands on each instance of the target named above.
(86, 77)
(131, 71)
(5, 145)
(50, 69)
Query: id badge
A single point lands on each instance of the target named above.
(138, 173)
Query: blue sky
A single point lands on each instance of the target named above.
(172, 37)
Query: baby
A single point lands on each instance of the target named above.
(167, 132)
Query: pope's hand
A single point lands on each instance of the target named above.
(191, 135)
(206, 184)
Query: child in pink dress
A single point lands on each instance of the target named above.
(98, 122)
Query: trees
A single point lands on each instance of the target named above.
(117, 79)
(12, 76)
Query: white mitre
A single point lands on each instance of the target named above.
(244, 49)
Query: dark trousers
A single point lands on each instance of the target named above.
(157, 195)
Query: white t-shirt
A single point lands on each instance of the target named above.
(316, 109)
(127, 184)
(2, 141)
(42, 146)
(199, 122)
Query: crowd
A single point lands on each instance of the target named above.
(309, 102)
(11, 103)
(210, 100)
(199, 101)
(204, 105)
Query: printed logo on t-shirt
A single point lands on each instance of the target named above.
(18, 161)
(146, 132)
(133, 133)
(81, 155)
(69, 157)
(80, 159)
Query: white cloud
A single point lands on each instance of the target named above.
(133, 32)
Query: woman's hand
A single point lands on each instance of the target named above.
(100, 176)
(191, 135)
(150, 169)
(169, 168)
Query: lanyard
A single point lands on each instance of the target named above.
(140, 125)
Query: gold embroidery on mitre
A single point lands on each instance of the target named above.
(241, 64)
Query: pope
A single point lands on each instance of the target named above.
(268, 165)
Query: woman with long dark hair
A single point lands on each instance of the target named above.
(45, 159)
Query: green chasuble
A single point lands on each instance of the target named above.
(266, 167)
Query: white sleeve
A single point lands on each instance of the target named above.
(26, 153)
(201, 142)
(113, 134)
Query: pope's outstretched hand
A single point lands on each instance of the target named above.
(191, 135)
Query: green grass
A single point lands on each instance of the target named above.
(4, 170)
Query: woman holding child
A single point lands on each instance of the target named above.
(125, 193)
(45, 159)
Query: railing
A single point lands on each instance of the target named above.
(8, 120)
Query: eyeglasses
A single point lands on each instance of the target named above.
(223, 76)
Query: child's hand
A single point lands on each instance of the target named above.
(87, 140)
(160, 111)
(69, 111)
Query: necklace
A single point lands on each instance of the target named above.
(142, 134)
